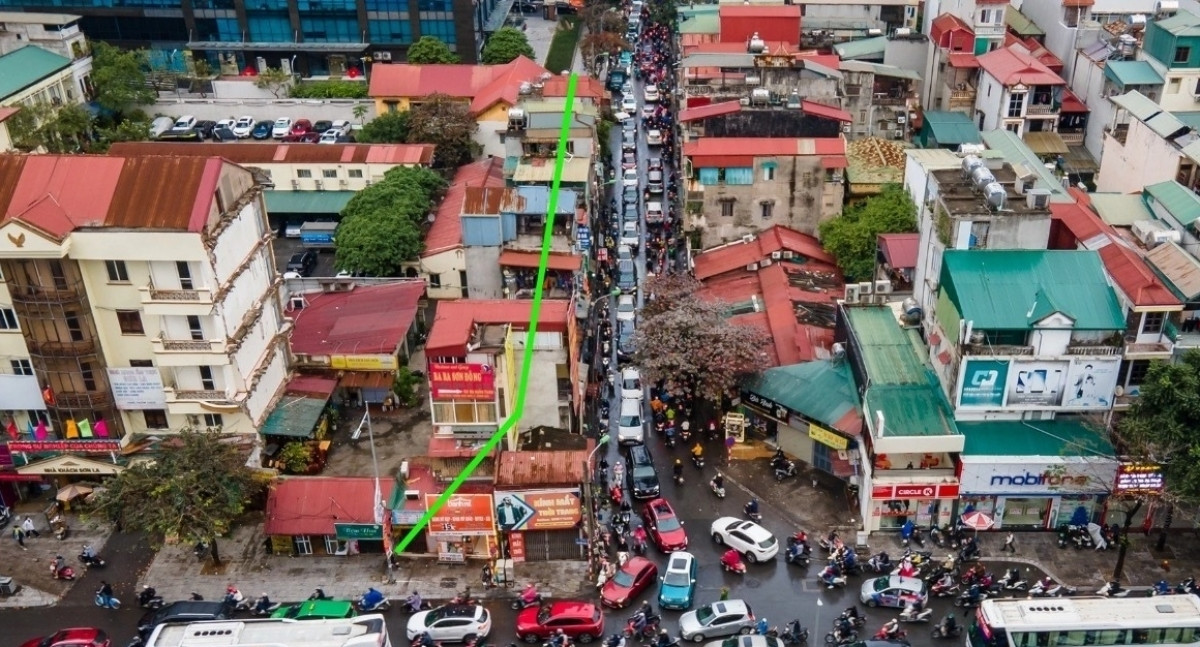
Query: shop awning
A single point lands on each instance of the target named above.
(1060, 438)
(309, 505)
(561, 262)
(367, 379)
(1046, 143)
(328, 203)
(295, 416)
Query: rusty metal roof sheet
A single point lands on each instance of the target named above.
(523, 469)
(273, 153)
(164, 193)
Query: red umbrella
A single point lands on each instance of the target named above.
(977, 520)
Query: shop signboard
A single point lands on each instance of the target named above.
(538, 510)
(358, 531)
(71, 446)
(1037, 384)
(363, 362)
(464, 515)
(1091, 382)
(1094, 476)
(407, 517)
(983, 382)
(137, 388)
(1138, 478)
(462, 381)
(915, 491)
(826, 437)
(767, 406)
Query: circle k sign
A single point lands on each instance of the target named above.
(915, 491)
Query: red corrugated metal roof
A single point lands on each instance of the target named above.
(1036, 50)
(709, 110)
(585, 86)
(963, 60)
(541, 469)
(370, 320)
(900, 250)
(1072, 103)
(451, 328)
(555, 261)
(770, 22)
(835, 161)
(272, 153)
(446, 230)
(948, 31)
(313, 385)
(737, 255)
(310, 505)
(707, 147)
(1014, 65)
(822, 110)
(482, 85)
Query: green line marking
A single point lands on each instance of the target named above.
(530, 336)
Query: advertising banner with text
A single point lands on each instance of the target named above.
(462, 381)
(538, 510)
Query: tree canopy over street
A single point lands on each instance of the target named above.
(383, 225)
(691, 344)
(429, 50)
(447, 124)
(852, 237)
(506, 44)
(1160, 426)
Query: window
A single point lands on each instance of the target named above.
(390, 31)
(1173, 86)
(303, 173)
(1152, 323)
(462, 279)
(130, 322)
(206, 379)
(727, 208)
(8, 319)
(709, 176)
(303, 544)
(141, 363)
(767, 210)
(464, 412)
(22, 367)
(768, 172)
(195, 328)
(89, 377)
(435, 280)
(155, 418)
(329, 173)
(185, 275)
(1016, 104)
(1013, 127)
(355, 173)
(74, 328)
(1182, 54)
(116, 271)
(213, 420)
(1137, 371)
(740, 176)
(442, 29)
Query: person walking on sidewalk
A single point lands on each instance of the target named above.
(1008, 544)
(19, 535)
(29, 528)
(486, 576)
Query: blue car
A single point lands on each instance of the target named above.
(679, 581)
(262, 130)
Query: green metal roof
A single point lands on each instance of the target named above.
(704, 19)
(1181, 24)
(820, 390)
(1060, 437)
(1015, 289)
(1140, 106)
(26, 66)
(315, 202)
(1129, 73)
(1190, 118)
(1020, 23)
(294, 416)
(1016, 151)
(1182, 204)
(1120, 209)
(951, 128)
(889, 354)
(861, 48)
(911, 410)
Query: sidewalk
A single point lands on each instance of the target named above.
(176, 573)
(30, 568)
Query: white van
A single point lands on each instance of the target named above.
(160, 125)
(630, 428)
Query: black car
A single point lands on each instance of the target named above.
(303, 263)
(206, 128)
(186, 611)
(223, 134)
(626, 276)
(625, 339)
(322, 125)
(643, 480)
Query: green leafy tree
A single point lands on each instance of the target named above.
(449, 125)
(129, 130)
(119, 77)
(382, 225)
(360, 111)
(274, 80)
(405, 387)
(852, 237)
(194, 491)
(58, 130)
(388, 128)
(429, 50)
(295, 457)
(506, 44)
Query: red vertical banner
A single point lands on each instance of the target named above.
(516, 546)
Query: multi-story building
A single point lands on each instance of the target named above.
(445, 257)
(32, 76)
(737, 186)
(1107, 70)
(144, 292)
(984, 19)
(54, 32)
(1017, 92)
(310, 37)
(1174, 44)
(1145, 145)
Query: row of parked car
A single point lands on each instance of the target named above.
(188, 128)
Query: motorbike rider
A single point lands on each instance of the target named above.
(371, 599)
(946, 583)
(732, 559)
(697, 451)
(891, 630)
(678, 469)
(88, 554)
(530, 595)
(639, 537)
(718, 482)
(948, 625)
(425, 639)
(643, 617)
(263, 605)
(793, 629)
(413, 602)
(59, 565)
(795, 551)
(850, 614)
(148, 593)
(830, 574)
(914, 608)
(843, 631)
(559, 639)
(752, 507)
(664, 639)
(233, 595)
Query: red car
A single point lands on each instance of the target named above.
(582, 621)
(302, 138)
(302, 126)
(629, 581)
(666, 530)
(76, 637)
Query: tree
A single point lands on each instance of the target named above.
(54, 130)
(429, 50)
(691, 344)
(360, 111)
(388, 128)
(193, 492)
(382, 225)
(273, 80)
(506, 44)
(447, 124)
(202, 72)
(295, 457)
(603, 42)
(852, 237)
(405, 387)
(119, 77)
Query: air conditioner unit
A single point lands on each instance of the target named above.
(901, 119)
(319, 184)
(883, 287)
(776, 255)
(295, 184)
(852, 295)
(846, 128)
(881, 299)
(748, 238)
(1037, 198)
(344, 182)
(383, 56)
(752, 267)
(766, 262)
(866, 287)
(787, 254)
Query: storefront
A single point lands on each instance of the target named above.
(539, 526)
(926, 503)
(1037, 493)
(464, 528)
(326, 515)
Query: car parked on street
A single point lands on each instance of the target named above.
(631, 426)
(626, 307)
(451, 623)
(629, 103)
(330, 136)
(74, 637)
(263, 130)
(205, 128)
(893, 591)
(282, 127)
(664, 527)
(303, 263)
(678, 588)
(186, 122)
(578, 619)
(243, 126)
(654, 137)
(302, 138)
(301, 126)
(321, 125)
(630, 580)
(754, 542)
(717, 619)
(630, 234)
(651, 93)
(631, 383)
(630, 177)
(626, 276)
(625, 331)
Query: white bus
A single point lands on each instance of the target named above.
(1086, 622)
(362, 631)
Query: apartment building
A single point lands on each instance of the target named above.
(53, 32)
(137, 292)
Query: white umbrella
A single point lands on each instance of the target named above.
(977, 520)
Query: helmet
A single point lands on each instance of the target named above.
(663, 631)
(145, 586)
(678, 461)
(263, 594)
(560, 632)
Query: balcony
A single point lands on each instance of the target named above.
(200, 401)
(61, 348)
(82, 400)
(190, 352)
(996, 349)
(1072, 138)
(1076, 348)
(38, 295)
(989, 31)
(961, 97)
(176, 302)
(1041, 109)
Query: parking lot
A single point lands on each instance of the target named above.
(285, 247)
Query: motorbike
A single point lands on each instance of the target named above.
(64, 573)
(797, 554)
(940, 591)
(1187, 586)
(264, 607)
(1162, 587)
(944, 630)
(794, 634)
(524, 601)
(970, 598)
(831, 578)
(150, 600)
(373, 600)
(753, 515)
(110, 603)
(887, 632)
(831, 542)
(1113, 589)
(235, 602)
(319, 594)
(910, 614)
(670, 434)
(719, 491)
(698, 461)
(412, 606)
(639, 541)
(5, 515)
(938, 537)
(649, 628)
(858, 621)
(880, 562)
(91, 560)
(1011, 581)
(1096, 534)
(906, 533)
(732, 562)
(838, 638)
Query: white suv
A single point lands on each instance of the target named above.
(651, 93)
(630, 428)
(631, 383)
(753, 541)
(451, 623)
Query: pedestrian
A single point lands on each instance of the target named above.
(486, 576)
(724, 592)
(19, 535)
(1008, 543)
(29, 528)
